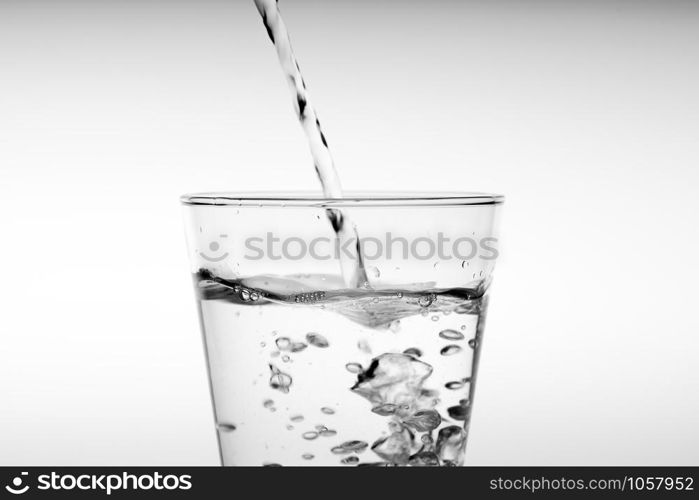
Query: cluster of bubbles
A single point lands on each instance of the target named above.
(249, 295)
(309, 297)
(394, 385)
(320, 430)
(280, 380)
(462, 410)
(286, 344)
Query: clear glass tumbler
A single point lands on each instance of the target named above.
(308, 367)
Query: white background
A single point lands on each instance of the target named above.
(584, 114)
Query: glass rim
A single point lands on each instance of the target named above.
(349, 199)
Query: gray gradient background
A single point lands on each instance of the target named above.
(585, 114)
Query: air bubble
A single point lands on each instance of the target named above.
(350, 447)
(317, 340)
(451, 335)
(297, 346)
(450, 350)
(413, 351)
(279, 380)
(460, 411)
(426, 300)
(283, 343)
(354, 368)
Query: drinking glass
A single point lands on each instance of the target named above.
(310, 366)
